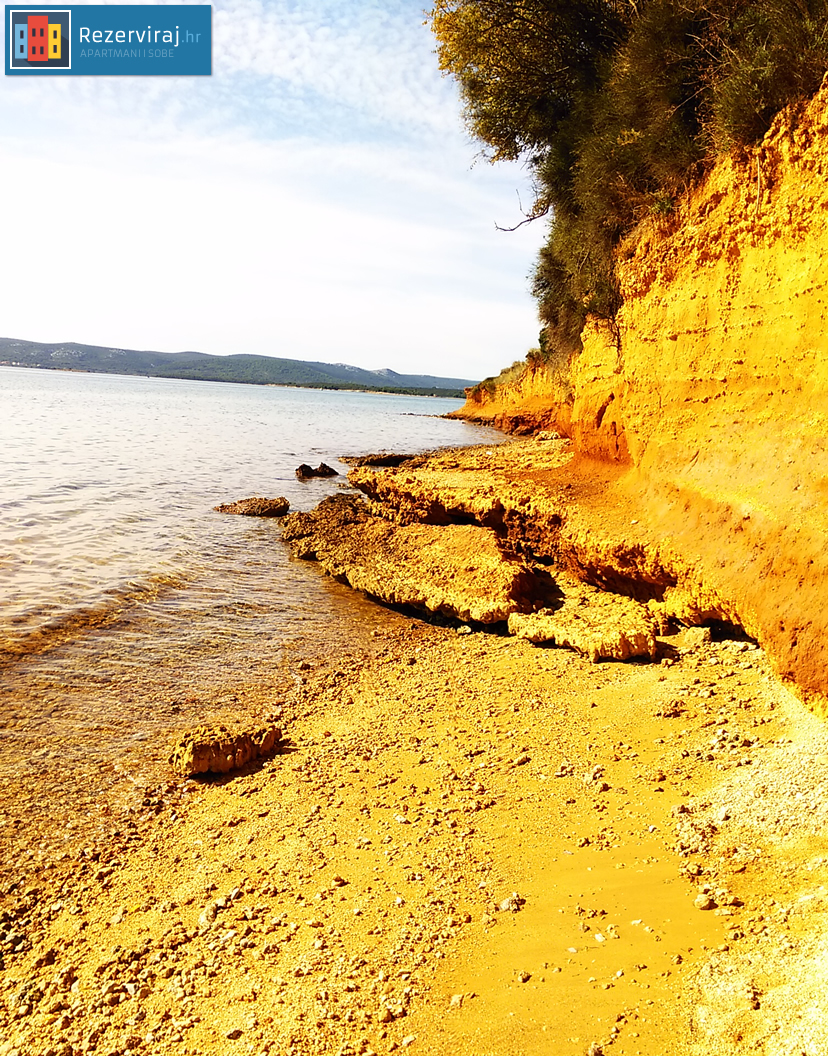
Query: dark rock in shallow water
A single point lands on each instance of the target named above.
(306, 472)
(382, 460)
(256, 507)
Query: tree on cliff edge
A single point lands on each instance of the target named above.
(615, 106)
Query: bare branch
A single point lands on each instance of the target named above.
(527, 220)
(536, 214)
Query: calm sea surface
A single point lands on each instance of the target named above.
(128, 607)
(108, 485)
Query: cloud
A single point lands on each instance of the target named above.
(314, 198)
(374, 60)
(353, 71)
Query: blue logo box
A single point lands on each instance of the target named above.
(109, 39)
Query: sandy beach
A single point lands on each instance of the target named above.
(510, 749)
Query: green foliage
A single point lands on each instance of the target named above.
(776, 51)
(490, 385)
(616, 107)
(522, 64)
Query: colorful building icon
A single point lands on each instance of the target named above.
(43, 39)
(20, 37)
(54, 40)
(38, 40)
(38, 48)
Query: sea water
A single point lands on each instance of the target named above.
(109, 482)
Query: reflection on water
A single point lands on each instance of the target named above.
(87, 724)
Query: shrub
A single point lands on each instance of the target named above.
(617, 108)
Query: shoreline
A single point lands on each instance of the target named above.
(422, 393)
(468, 843)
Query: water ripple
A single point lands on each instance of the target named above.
(109, 484)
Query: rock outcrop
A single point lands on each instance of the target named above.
(539, 397)
(553, 511)
(711, 397)
(381, 459)
(599, 625)
(256, 507)
(458, 570)
(220, 750)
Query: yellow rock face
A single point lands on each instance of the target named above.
(714, 394)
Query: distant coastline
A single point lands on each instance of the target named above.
(320, 386)
(236, 369)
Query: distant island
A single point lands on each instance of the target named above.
(199, 366)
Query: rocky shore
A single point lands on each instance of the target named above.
(466, 842)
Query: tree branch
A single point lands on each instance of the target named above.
(536, 214)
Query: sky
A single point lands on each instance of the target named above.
(316, 198)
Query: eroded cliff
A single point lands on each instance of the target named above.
(712, 391)
(525, 399)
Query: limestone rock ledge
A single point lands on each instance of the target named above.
(577, 520)
(598, 625)
(458, 570)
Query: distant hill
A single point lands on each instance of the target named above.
(199, 366)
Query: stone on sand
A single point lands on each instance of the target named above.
(218, 750)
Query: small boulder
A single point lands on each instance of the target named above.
(306, 472)
(218, 750)
(694, 637)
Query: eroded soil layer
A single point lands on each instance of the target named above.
(710, 390)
